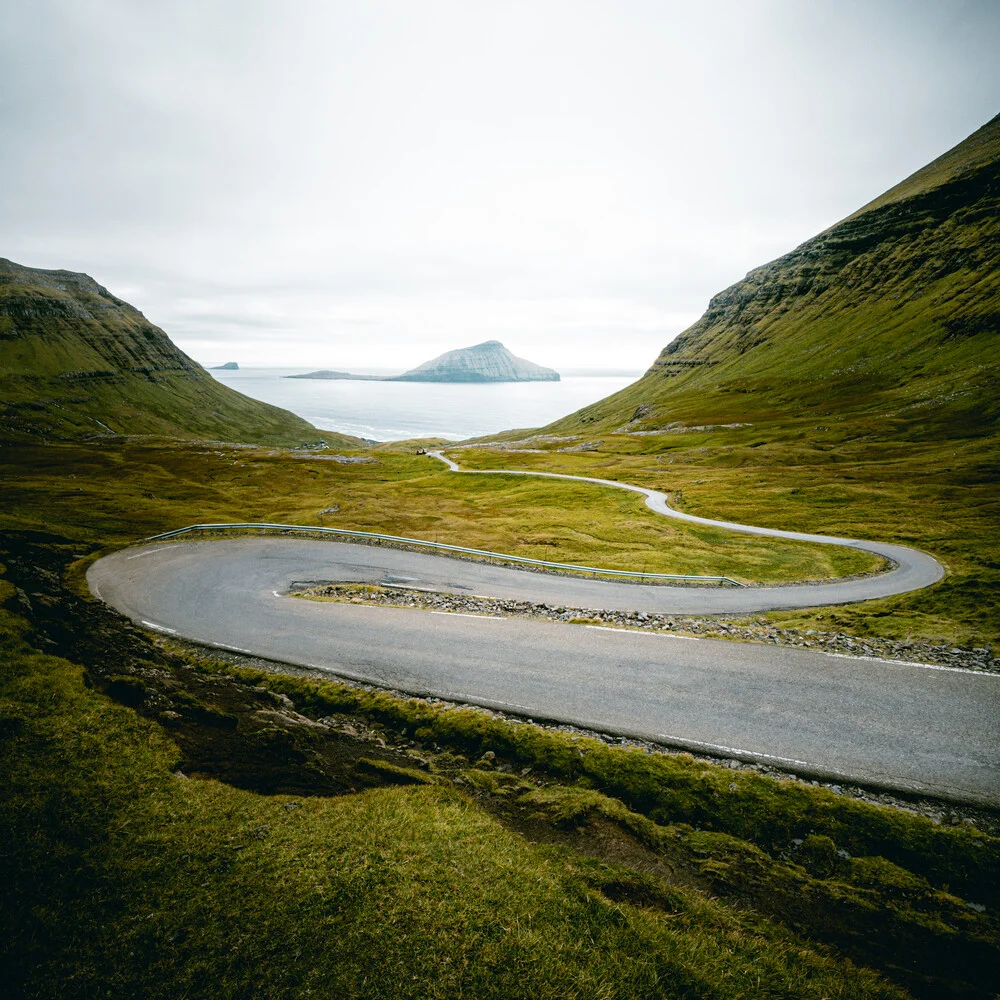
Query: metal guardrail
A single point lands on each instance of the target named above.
(441, 547)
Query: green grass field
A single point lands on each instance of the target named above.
(128, 492)
(120, 493)
(938, 496)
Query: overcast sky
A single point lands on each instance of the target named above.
(349, 184)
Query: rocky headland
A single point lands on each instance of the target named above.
(486, 362)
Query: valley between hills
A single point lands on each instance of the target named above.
(175, 815)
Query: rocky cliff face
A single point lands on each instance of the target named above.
(66, 324)
(894, 311)
(486, 362)
(75, 361)
(897, 248)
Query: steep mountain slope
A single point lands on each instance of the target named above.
(486, 362)
(77, 362)
(891, 316)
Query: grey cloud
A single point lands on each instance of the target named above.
(319, 168)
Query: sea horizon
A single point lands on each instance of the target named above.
(398, 411)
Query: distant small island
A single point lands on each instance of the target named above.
(486, 362)
(326, 373)
(229, 366)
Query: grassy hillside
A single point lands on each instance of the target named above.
(850, 387)
(888, 322)
(76, 362)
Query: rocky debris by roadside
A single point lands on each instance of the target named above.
(723, 627)
(340, 459)
(521, 444)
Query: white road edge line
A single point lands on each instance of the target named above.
(913, 663)
(461, 614)
(733, 750)
(150, 552)
(504, 706)
(638, 631)
(276, 594)
(159, 628)
(235, 649)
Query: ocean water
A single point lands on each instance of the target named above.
(392, 411)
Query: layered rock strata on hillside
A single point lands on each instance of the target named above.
(77, 362)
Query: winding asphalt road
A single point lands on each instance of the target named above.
(911, 569)
(908, 727)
